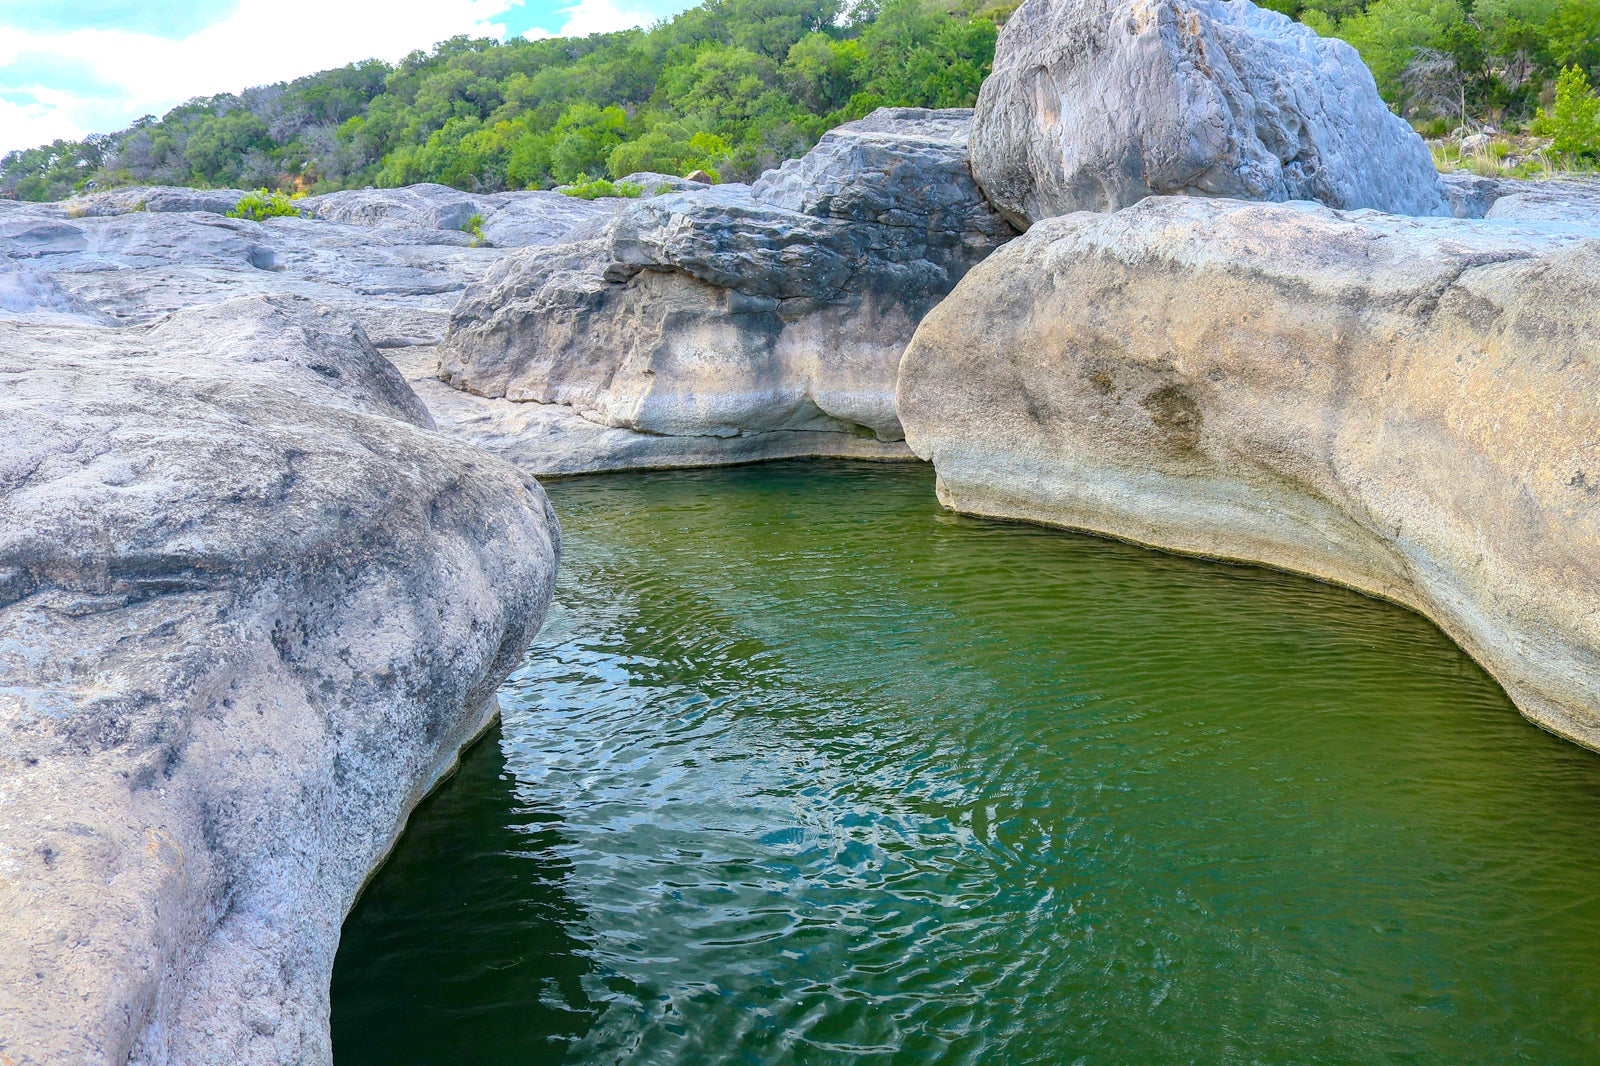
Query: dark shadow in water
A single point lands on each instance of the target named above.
(484, 871)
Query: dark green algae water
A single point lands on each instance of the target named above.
(805, 770)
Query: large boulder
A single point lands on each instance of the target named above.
(1403, 405)
(251, 607)
(740, 311)
(1095, 104)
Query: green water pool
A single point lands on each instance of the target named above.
(804, 769)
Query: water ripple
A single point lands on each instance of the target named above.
(803, 770)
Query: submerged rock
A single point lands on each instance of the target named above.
(1095, 104)
(1402, 405)
(777, 308)
(251, 607)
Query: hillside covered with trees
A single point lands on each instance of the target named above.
(731, 86)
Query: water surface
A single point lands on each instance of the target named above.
(805, 770)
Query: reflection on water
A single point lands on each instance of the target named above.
(805, 770)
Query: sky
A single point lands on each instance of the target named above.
(73, 67)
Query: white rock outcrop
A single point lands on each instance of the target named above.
(1095, 104)
(1403, 405)
(251, 607)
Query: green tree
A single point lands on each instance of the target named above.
(1574, 122)
(218, 143)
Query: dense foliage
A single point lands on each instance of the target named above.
(1460, 61)
(732, 87)
(735, 86)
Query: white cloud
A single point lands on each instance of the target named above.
(599, 16)
(264, 41)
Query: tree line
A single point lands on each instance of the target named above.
(732, 87)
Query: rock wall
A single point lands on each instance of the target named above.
(750, 313)
(251, 607)
(1402, 405)
(1093, 105)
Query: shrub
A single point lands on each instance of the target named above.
(474, 226)
(1574, 122)
(593, 190)
(261, 205)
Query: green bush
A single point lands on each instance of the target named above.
(261, 205)
(594, 190)
(474, 226)
(1574, 122)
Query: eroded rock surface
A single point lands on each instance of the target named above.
(737, 311)
(1095, 104)
(251, 606)
(1403, 405)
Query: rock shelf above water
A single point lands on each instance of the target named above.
(1403, 405)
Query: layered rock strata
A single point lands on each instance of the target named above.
(1095, 104)
(755, 320)
(1406, 406)
(251, 607)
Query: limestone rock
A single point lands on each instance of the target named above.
(161, 199)
(777, 308)
(250, 609)
(400, 280)
(1402, 405)
(1513, 199)
(1095, 104)
(510, 219)
(653, 182)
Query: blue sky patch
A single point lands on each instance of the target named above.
(34, 70)
(173, 19)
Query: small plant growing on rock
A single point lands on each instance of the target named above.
(261, 205)
(474, 228)
(593, 190)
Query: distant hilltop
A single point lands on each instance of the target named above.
(734, 87)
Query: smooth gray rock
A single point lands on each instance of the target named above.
(777, 308)
(399, 280)
(251, 607)
(1095, 104)
(1403, 405)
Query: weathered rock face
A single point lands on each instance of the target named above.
(250, 609)
(1406, 406)
(779, 308)
(1095, 104)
